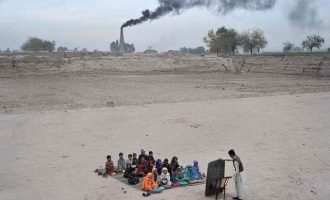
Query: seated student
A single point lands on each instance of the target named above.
(197, 173)
(130, 159)
(155, 174)
(159, 166)
(149, 166)
(180, 174)
(134, 160)
(142, 155)
(151, 157)
(189, 174)
(165, 179)
(148, 183)
(121, 163)
(109, 167)
(129, 171)
(141, 168)
(167, 165)
(174, 166)
(174, 163)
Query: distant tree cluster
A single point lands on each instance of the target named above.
(62, 49)
(115, 47)
(197, 50)
(229, 40)
(7, 51)
(311, 42)
(288, 47)
(36, 44)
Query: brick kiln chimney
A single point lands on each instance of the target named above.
(122, 42)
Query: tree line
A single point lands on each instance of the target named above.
(223, 40)
(229, 41)
(311, 42)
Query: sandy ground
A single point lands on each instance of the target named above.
(282, 140)
(59, 120)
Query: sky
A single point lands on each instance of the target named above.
(94, 24)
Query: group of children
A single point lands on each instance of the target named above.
(158, 175)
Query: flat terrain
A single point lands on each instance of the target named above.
(40, 93)
(57, 127)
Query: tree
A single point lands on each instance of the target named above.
(288, 46)
(36, 44)
(115, 47)
(225, 40)
(62, 49)
(75, 49)
(313, 41)
(129, 48)
(49, 46)
(197, 50)
(253, 40)
(259, 39)
(246, 42)
(211, 41)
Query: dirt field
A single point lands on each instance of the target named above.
(58, 120)
(39, 83)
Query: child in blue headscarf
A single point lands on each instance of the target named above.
(189, 173)
(197, 173)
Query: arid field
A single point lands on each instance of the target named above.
(60, 115)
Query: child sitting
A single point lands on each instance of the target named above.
(129, 171)
(159, 166)
(109, 167)
(197, 173)
(130, 159)
(134, 160)
(121, 163)
(151, 157)
(148, 184)
(189, 174)
(142, 156)
(179, 176)
(165, 178)
(167, 165)
(155, 174)
(174, 166)
(141, 168)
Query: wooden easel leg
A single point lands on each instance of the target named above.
(224, 193)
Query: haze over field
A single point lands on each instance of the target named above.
(94, 24)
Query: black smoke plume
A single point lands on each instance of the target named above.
(222, 6)
(305, 14)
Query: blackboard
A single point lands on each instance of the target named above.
(215, 171)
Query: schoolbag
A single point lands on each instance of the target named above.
(133, 180)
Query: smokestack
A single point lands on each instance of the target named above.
(122, 42)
